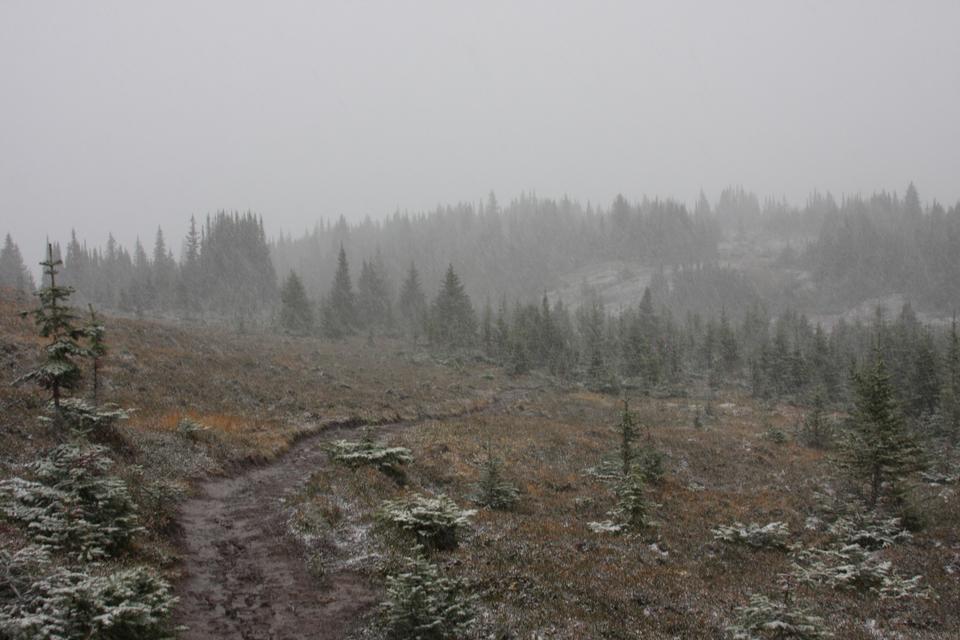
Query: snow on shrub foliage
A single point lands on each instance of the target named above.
(421, 603)
(869, 530)
(632, 511)
(87, 419)
(492, 490)
(72, 505)
(40, 601)
(433, 521)
(764, 618)
(770, 536)
(851, 567)
(366, 452)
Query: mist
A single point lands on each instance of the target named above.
(124, 116)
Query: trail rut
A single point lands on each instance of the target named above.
(244, 577)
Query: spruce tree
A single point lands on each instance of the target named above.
(951, 385)
(339, 313)
(96, 349)
(412, 304)
(373, 297)
(55, 320)
(924, 379)
(13, 273)
(628, 435)
(452, 321)
(816, 429)
(877, 449)
(296, 316)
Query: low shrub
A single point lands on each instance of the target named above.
(492, 490)
(773, 535)
(39, 601)
(366, 452)
(851, 567)
(421, 603)
(764, 618)
(96, 423)
(632, 511)
(72, 505)
(435, 522)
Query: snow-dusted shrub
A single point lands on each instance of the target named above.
(40, 601)
(190, 428)
(72, 505)
(366, 452)
(769, 536)
(776, 435)
(492, 490)
(18, 568)
(632, 511)
(435, 522)
(421, 603)
(89, 420)
(855, 568)
(765, 618)
(868, 530)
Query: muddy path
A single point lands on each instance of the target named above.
(243, 575)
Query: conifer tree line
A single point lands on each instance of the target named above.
(453, 278)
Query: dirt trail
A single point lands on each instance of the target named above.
(244, 577)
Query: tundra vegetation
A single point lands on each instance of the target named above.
(713, 458)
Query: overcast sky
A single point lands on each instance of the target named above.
(122, 115)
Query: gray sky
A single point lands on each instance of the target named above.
(122, 115)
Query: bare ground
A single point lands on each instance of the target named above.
(244, 577)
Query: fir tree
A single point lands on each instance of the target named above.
(13, 272)
(96, 349)
(816, 430)
(628, 436)
(951, 385)
(339, 313)
(412, 304)
(924, 380)
(55, 320)
(877, 448)
(373, 297)
(452, 321)
(296, 316)
(492, 490)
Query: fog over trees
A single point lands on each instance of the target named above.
(458, 321)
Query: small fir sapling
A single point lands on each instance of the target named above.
(492, 490)
(71, 504)
(434, 521)
(95, 333)
(55, 320)
(422, 603)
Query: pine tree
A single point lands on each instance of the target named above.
(339, 313)
(452, 321)
(296, 315)
(96, 349)
(55, 320)
(877, 448)
(412, 304)
(13, 273)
